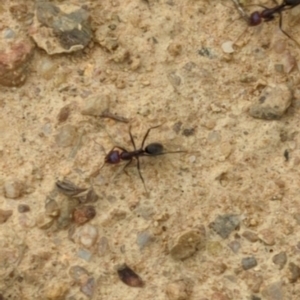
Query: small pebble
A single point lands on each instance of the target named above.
(66, 136)
(55, 291)
(91, 196)
(43, 221)
(174, 48)
(188, 131)
(144, 239)
(88, 235)
(225, 224)
(271, 103)
(205, 52)
(214, 248)
(273, 291)
(185, 243)
(218, 268)
(280, 259)
(71, 25)
(51, 208)
(78, 274)
(179, 290)
(64, 114)
(88, 287)
(22, 208)
(13, 189)
(250, 236)
(4, 215)
(14, 61)
(84, 214)
(234, 246)
(129, 277)
(227, 47)
(294, 272)
(267, 237)
(85, 254)
(174, 79)
(8, 33)
(249, 262)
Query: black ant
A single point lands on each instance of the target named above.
(118, 154)
(267, 15)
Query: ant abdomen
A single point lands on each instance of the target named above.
(154, 149)
(255, 19)
(113, 157)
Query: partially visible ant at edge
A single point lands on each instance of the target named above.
(268, 14)
(118, 154)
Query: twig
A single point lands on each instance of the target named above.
(107, 114)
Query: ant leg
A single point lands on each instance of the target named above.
(118, 147)
(131, 138)
(96, 173)
(241, 11)
(139, 170)
(147, 133)
(284, 32)
(121, 170)
(124, 168)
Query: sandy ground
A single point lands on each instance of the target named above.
(175, 73)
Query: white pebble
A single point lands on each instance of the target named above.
(227, 47)
(88, 235)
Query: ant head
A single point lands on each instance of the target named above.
(255, 18)
(154, 149)
(113, 157)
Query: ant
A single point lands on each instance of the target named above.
(267, 14)
(118, 154)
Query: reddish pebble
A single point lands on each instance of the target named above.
(14, 62)
(129, 277)
(4, 215)
(83, 214)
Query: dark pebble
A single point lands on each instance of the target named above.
(224, 225)
(249, 263)
(22, 208)
(63, 114)
(177, 126)
(188, 131)
(280, 259)
(250, 236)
(295, 272)
(129, 277)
